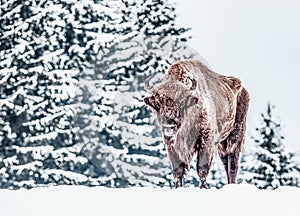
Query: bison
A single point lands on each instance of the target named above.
(199, 111)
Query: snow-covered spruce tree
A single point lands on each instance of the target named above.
(119, 132)
(45, 45)
(269, 165)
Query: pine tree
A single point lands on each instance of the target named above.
(270, 165)
(53, 132)
(45, 45)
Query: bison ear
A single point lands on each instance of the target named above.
(150, 101)
(193, 82)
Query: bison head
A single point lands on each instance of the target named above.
(170, 100)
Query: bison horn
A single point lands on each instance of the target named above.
(147, 84)
(194, 83)
(154, 80)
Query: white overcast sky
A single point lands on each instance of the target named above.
(257, 41)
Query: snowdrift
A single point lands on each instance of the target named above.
(240, 199)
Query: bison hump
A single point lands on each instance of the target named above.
(234, 83)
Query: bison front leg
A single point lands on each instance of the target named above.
(179, 167)
(178, 174)
(204, 160)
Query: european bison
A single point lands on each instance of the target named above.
(199, 110)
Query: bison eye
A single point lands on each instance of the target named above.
(157, 106)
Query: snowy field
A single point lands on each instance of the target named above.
(240, 199)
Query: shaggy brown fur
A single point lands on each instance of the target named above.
(198, 111)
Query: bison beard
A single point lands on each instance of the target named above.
(198, 111)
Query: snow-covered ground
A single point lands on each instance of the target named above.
(231, 200)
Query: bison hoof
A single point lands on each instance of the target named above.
(203, 186)
(178, 183)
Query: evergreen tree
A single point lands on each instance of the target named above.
(51, 131)
(270, 165)
(45, 45)
(39, 73)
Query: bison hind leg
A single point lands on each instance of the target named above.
(230, 148)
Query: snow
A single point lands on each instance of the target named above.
(240, 199)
